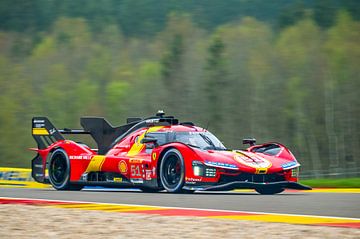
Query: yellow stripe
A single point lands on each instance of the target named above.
(105, 207)
(15, 169)
(40, 131)
(334, 190)
(293, 219)
(21, 184)
(137, 146)
(315, 190)
(96, 163)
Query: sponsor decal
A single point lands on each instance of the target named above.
(122, 166)
(136, 160)
(87, 157)
(152, 121)
(289, 165)
(38, 166)
(154, 156)
(137, 180)
(118, 180)
(219, 164)
(148, 174)
(254, 161)
(193, 179)
(16, 175)
(39, 125)
(261, 171)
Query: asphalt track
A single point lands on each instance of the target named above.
(304, 203)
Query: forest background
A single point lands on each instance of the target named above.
(284, 70)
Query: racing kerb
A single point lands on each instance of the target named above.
(190, 212)
(19, 177)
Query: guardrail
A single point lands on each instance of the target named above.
(18, 177)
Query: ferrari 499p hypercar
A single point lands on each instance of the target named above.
(157, 153)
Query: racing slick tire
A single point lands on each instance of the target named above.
(150, 190)
(269, 190)
(59, 171)
(172, 171)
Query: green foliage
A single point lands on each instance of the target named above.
(215, 79)
(333, 183)
(149, 17)
(224, 69)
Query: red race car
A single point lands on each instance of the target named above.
(158, 153)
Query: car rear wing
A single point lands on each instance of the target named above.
(44, 132)
(104, 134)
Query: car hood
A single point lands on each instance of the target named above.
(247, 161)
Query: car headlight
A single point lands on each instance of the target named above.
(201, 170)
(198, 170)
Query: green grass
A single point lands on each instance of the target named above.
(333, 183)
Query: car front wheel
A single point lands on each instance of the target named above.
(269, 190)
(172, 171)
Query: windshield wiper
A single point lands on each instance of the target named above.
(195, 146)
(208, 140)
(214, 148)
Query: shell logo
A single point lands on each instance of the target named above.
(122, 166)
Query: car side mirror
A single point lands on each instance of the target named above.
(251, 142)
(148, 140)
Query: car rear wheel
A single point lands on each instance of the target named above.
(59, 171)
(172, 171)
(269, 190)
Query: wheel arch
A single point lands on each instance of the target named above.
(66, 157)
(161, 155)
(51, 151)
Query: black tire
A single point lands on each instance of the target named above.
(187, 191)
(59, 171)
(269, 190)
(172, 171)
(150, 190)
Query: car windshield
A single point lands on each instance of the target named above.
(202, 140)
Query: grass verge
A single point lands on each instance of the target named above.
(332, 182)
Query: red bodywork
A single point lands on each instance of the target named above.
(129, 161)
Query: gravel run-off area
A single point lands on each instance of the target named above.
(22, 221)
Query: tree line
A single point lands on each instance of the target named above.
(297, 85)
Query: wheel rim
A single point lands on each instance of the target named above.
(172, 171)
(58, 169)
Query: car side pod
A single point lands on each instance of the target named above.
(251, 185)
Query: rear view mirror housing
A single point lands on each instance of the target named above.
(148, 140)
(250, 141)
